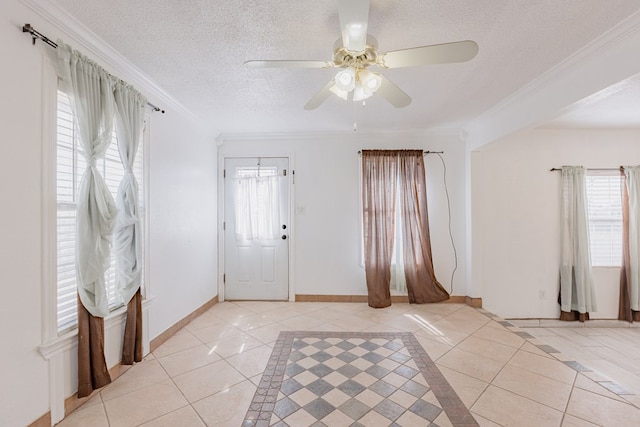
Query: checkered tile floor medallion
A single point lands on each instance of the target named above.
(356, 379)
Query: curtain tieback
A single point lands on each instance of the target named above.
(92, 161)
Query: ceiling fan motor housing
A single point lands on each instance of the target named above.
(343, 57)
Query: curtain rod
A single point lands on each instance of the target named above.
(35, 35)
(424, 153)
(591, 169)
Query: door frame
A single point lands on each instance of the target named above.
(222, 157)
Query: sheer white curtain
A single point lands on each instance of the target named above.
(632, 175)
(127, 242)
(576, 281)
(91, 92)
(257, 204)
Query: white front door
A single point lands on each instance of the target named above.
(256, 228)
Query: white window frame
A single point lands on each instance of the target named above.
(605, 211)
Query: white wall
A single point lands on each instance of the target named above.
(182, 206)
(515, 216)
(24, 373)
(183, 211)
(327, 234)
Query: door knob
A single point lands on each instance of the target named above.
(284, 237)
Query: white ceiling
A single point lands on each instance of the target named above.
(617, 106)
(195, 49)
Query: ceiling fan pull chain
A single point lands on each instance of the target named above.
(355, 125)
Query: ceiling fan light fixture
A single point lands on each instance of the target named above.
(339, 92)
(346, 79)
(361, 92)
(371, 81)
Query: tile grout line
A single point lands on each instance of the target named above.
(566, 407)
(190, 404)
(448, 398)
(179, 390)
(509, 327)
(496, 375)
(573, 364)
(255, 416)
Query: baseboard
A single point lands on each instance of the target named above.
(43, 421)
(474, 302)
(171, 331)
(455, 299)
(72, 402)
(331, 298)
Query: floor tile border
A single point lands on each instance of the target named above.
(264, 400)
(612, 386)
(451, 403)
(263, 403)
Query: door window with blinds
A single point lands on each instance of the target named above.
(604, 201)
(70, 166)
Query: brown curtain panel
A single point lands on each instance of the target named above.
(422, 286)
(379, 172)
(383, 172)
(92, 367)
(132, 345)
(624, 307)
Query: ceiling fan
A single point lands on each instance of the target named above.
(356, 51)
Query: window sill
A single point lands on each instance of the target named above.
(67, 340)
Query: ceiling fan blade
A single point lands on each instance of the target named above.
(288, 64)
(425, 55)
(393, 93)
(354, 18)
(320, 97)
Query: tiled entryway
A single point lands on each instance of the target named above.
(353, 378)
(209, 372)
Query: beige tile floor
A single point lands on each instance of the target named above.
(610, 347)
(207, 373)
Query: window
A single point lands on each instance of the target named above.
(604, 200)
(257, 203)
(398, 282)
(70, 166)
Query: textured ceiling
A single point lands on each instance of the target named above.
(195, 49)
(616, 106)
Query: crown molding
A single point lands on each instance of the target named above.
(605, 61)
(103, 53)
(342, 135)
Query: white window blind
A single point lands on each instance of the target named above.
(604, 200)
(70, 166)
